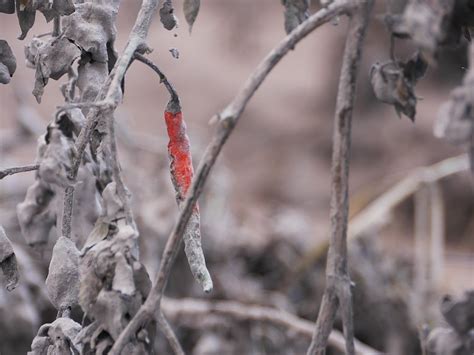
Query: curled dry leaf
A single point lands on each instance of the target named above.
(52, 60)
(167, 17)
(92, 28)
(296, 11)
(37, 213)
(191, 10)
(7, 62)
(62, 282)
(7, 6)
(57, 338)
(394, 83)
(181, 168)
(8, 262)
(26, 16)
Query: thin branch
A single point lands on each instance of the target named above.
(193, 308)
(228, 119)
(169, 334)
(18, 169)
(338, 283)
(163, 78)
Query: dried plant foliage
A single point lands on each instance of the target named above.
(54, 8)
(458, 338)
(7, 62)
(296, 11)
(191, 11)
(56, 338)
(8, 262)
(393, 82)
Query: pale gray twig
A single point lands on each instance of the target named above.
(179, 308)
(338, 283)
(18, 169)
(228, 119)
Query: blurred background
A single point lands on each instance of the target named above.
(265, 212)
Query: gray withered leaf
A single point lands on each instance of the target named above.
(393, 82)
(36, 214)
(62, 282)
(57, 338)
(53, 8)
(53, 60)
(7, 6)
(191, 10)
(7, 62)
(92, 28)
(167, 17)
(26, 16)
(459, 313)
(296, 11)
(8, 262)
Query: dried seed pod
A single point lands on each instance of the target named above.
(62, 282)
(26, 16)
(7, 62)
(191, 10)
(181, 169)
(394, 83)
(296, 11)
(37, 214)
(53, 60)
(167, 17)
(7, 6)
(8, 262)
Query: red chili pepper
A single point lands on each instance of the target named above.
(181, 168)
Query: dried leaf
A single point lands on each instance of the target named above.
(191, 10)
(296, 11)
(57, 338)
(7, 62)
(8, 262)
(53, 60)
(62, 282)
(167, 17)
(36, 214)
(26, 16)
(394, 83)
(54, 8)
(7, 6)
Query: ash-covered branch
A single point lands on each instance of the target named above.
(338, 283)
(18, 169)
(179, 309)
(228, 119)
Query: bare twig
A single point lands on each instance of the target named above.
(169, 334)
(178, 309)
(338, 283)
(228, 118)
(18, 169)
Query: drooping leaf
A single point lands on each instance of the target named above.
(7, 62)
(26, 16)
(394, 83)
(191, 11)
(296, 11)
(62, 282)
(51, 9)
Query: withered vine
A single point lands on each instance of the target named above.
(80, 191)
